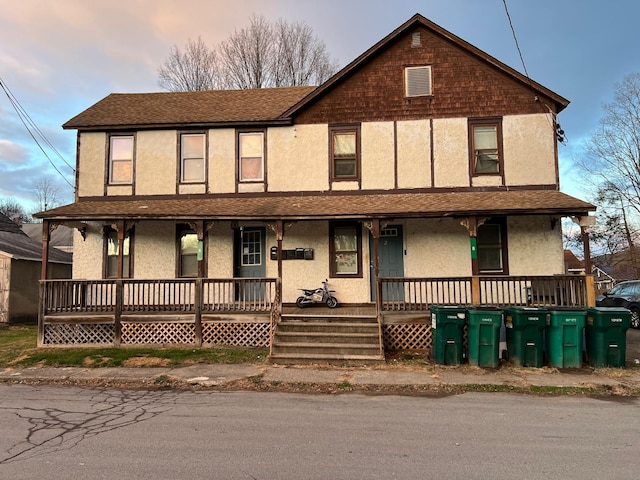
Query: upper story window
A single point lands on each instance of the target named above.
(121, 159)
(192, 157)
(111, 250)
(492, 247)
(485, 137)
(417, 81)
(251, 156)
(345, 153)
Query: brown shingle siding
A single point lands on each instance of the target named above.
(463, 86)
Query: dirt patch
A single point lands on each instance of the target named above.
(146, 362)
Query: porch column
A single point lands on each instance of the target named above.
(121, 234)
(471, 224)
(198, 227)
(375, 235)
(279, 237)
(46, 235)
(590, 284)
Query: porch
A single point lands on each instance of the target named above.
(202, 312)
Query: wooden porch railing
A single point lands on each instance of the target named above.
(418, 294)
(171, 295)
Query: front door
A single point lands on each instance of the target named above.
(249, 262)
(391, 262)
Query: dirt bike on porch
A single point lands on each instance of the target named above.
(317, 295)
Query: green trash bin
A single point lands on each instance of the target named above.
(484, 337)
(606, 336)
(525, 328)
(448, 323)
(565, 332)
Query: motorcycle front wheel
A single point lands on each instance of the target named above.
(332, 302)
(300, 302)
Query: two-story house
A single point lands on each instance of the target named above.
(425, 171)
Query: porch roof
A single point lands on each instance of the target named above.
(325, 205)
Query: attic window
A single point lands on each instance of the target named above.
(415, 40)
(417, 81)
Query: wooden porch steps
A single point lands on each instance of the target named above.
(327, 338)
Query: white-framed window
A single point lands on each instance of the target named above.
(417, 81)
(192, 157)
(121, 159)
(187, 252)
(251, 156)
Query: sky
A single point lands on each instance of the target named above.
(59, 57)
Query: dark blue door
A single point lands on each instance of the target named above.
(391, 262)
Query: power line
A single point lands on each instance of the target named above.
(515, 38)
(560, 134)
(31, 127)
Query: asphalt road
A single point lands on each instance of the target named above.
(64, 432)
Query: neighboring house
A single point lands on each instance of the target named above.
(425, 171)
(20, 268)
(603, 281)
(572, 264)
(61, 237)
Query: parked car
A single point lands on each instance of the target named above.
(624, 294)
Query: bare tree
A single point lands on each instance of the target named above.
(191, 70)
(264, 54)
(301, 57)
(247, 55)
(46, 194)
(12, 209)
(612, 167)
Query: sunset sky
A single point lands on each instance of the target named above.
(60, 57)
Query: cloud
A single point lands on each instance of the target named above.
(13, 153)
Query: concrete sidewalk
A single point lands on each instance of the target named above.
(220, 375)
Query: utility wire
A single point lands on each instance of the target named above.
(555, 125)
(515, 38)
(31, 127)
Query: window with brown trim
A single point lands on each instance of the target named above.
(492, 247)
(192, 157)
(345, 152)
(187, 252)
(485, 139)
(111, 250)
(345, 249)
(251, 156)
(121, 148)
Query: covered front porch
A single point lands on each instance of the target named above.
(203, 312)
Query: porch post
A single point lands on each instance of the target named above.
(117, 324)
(199, 284)
(471, 223)
(46, 235)
(375, 233)
(590, 284)
(279, 237)
(121, 234)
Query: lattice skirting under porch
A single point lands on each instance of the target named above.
(407, 336)
(78, 334)
(245, 334)
(158, 333)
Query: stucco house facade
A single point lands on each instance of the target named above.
(425, 162)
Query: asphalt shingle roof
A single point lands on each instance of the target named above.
(210, 107)
(310, 206)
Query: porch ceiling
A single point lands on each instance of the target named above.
(326, 205)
